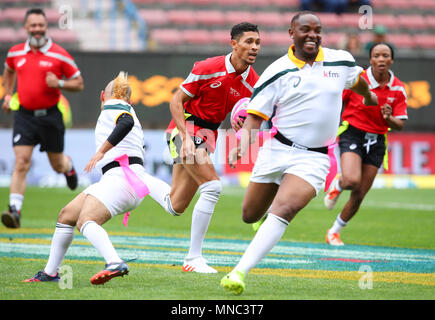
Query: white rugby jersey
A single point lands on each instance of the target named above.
(133, 142)
(308, 98)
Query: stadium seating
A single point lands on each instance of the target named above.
(167, 36)
(424, 4)
(401, 40)
(399, 4)
(388, 20)
(233, 17)
(221, 37)
(269, 19)
(207, 22)
(62, 36)
(333, 39)
(430, 20)
(154, 17)
(330, 20)
(411, 22)
(211, 18)
(14, 15)
(425, 41)
(182, 17)
(8, 35)
(276, 38)
(350, 20)
(199, 37)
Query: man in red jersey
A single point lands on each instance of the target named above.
(362, 144)
(41, 68)
(202, 102)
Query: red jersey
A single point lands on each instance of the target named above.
(369, 118)
(31, 69)
(215, 87)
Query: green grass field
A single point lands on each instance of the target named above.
(393, 234)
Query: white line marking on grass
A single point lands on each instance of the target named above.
(388, 205)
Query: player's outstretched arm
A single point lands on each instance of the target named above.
(362, 88)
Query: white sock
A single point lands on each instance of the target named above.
(61, 241)
(100, 240)
(337, 185)
(201, 216)
(267, 236)
(16, 199)
(338, 225)
(159, 191)
(70, 164)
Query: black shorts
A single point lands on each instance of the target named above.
(369, 146)
(175, 144)
(44, 127)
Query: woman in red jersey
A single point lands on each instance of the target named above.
(362, 144)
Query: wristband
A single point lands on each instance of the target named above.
(61, 83)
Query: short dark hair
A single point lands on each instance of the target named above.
(300, 14)
(385, 44)
(238, 30)
(34, 11)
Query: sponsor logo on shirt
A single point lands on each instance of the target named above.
(330, 74)
(45, 64)
(216, 84)
(234, 92)
(297, 81)
(391, 99)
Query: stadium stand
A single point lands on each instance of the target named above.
(203, 24)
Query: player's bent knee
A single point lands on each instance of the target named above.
(22, 164)
(66, 217)
(250, 215)
(349, 183)
(209, 195)
(179, 206)
(58, 167)
(211, 190)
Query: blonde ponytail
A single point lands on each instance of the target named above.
(121, 90)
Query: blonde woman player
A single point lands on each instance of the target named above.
(117, 133)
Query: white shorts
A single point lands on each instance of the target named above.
(275, 159)
(114, 191)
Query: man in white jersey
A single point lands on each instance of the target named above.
(306, 87)
(117, 133)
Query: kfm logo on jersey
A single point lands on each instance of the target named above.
(330, 74)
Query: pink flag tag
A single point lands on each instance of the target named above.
(137, 184)
(332, 167)
(125, 220)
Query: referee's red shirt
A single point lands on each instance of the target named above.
(215, 87)
(32, 67)
(369, 118)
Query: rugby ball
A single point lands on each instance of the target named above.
(239, 111)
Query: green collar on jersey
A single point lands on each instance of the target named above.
(117, 107)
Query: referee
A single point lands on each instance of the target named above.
(40, 68)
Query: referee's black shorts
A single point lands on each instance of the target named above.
(369, 146)
(44, 127)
